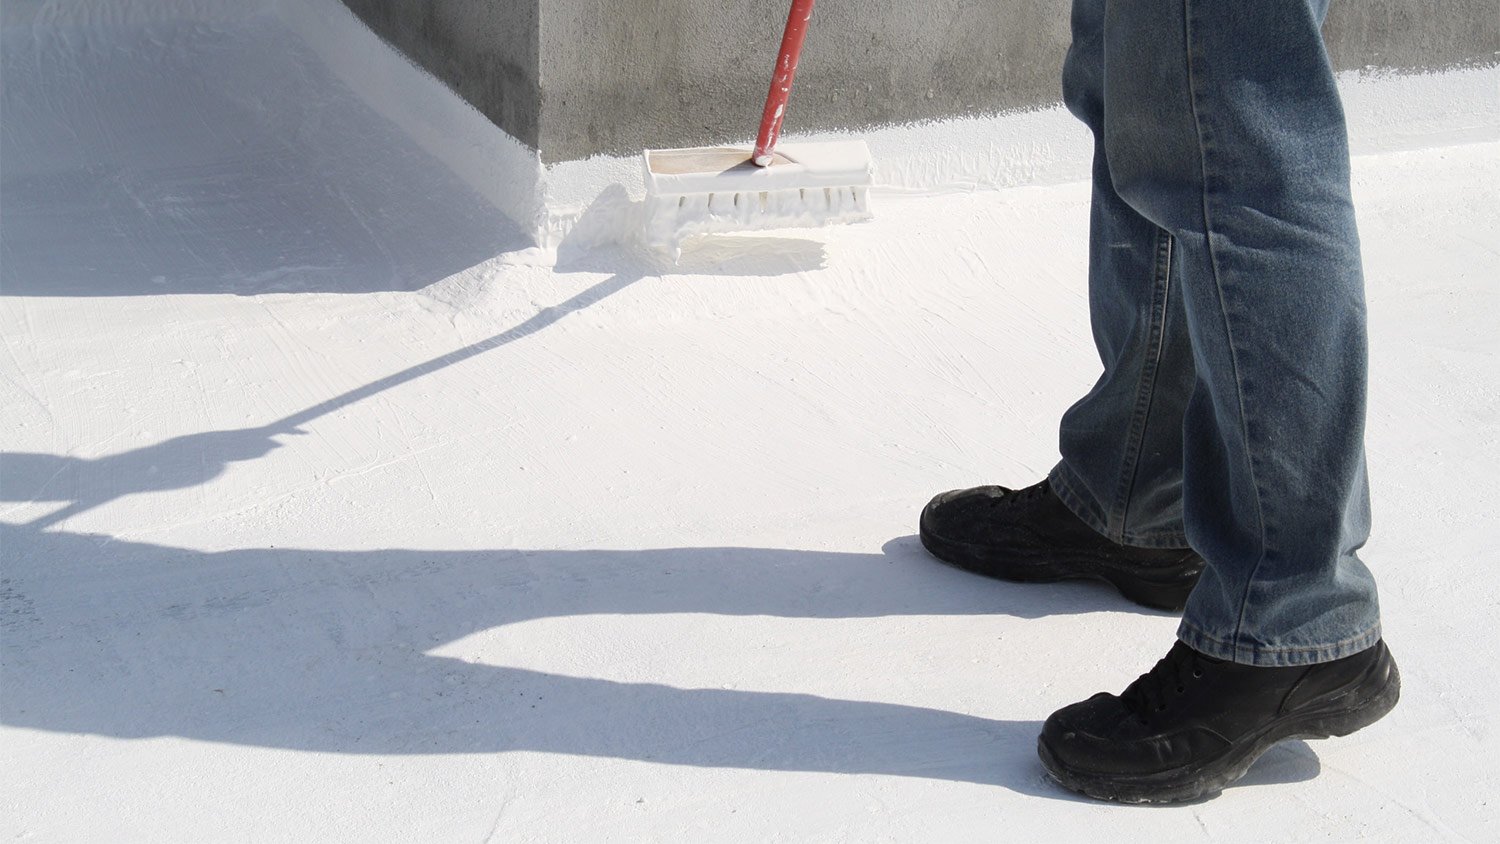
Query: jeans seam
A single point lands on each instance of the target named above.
(1062, 483)
(1159, 539)
(1193, 101)
(1188, 631)
(1161, 283)
(1061, 479)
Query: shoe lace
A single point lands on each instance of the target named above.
(1153, 691)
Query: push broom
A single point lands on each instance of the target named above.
(705, 190)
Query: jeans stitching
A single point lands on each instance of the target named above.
(1193, 100)
(1061, 479)
(1162, 284)
(1195, 637)
(1156, 539)
(1062, 483)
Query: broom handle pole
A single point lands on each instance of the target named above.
(781, 81)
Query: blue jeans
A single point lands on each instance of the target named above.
(1227, 304)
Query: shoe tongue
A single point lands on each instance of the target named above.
(1147, 692)
(1203, 657)
(1183, 651)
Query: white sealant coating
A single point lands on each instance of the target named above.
(500, 168)
(327, 515)
(1048, 146)
(116, 14)
(1035, 147)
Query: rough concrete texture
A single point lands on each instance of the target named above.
(1413, 34)
(674, 72)
(485, 50)
(582, 77)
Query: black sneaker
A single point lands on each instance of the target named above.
(1194, 724)
(1029, 535)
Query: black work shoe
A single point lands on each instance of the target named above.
(1029, 535)
(1193, 724)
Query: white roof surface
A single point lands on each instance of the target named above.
(332, 512)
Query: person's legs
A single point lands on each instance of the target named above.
(1112, 509)
(1221, 124)
(1121, 468)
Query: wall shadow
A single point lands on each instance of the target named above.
(182, 159)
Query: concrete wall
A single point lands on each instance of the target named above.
(618, 75)
(581, 77)
(677, 72)
(1413, 34)
(485, 50)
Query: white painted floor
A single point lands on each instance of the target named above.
(329, 512)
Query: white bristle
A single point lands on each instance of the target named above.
(815, 185)
(670, 219)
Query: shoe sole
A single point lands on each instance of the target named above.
(1339, 716)
(1167, 589)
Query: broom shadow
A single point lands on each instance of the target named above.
(195, 459)
(597, 243)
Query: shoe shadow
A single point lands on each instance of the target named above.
(1288, 762)
(1034, 600)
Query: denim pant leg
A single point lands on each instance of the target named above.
(1222, 125)
(1121, 468)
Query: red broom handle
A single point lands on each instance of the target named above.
(781, 81)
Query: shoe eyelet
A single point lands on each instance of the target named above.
(1197, 673)
(1181, 689)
